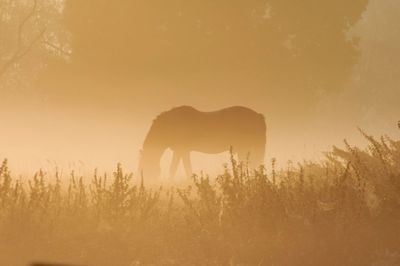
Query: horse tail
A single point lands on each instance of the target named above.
(260, 140)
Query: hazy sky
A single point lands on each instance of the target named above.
(94, 109)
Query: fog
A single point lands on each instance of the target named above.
(87, 100)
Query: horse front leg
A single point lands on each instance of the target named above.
(187, 164)
(174, 164)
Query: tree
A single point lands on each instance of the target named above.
(28, 31)
(296, 47)
(22, 48)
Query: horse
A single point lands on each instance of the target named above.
(184, 129)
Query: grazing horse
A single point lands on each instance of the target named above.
(184, 129)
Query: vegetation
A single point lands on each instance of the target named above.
(344, 210)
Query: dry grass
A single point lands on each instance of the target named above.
(344, 210)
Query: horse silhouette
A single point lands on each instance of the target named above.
(184, 129)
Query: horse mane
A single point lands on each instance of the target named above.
(162, 116)
(161, 121)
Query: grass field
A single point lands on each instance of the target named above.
(344, 210)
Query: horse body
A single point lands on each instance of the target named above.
(185, 129)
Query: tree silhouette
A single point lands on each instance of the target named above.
(29, 33)
(23, 47)
(300, 47)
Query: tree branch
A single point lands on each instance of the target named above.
(58, 49)
(22, 24)
(21, 51)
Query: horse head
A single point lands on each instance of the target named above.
(149, 166)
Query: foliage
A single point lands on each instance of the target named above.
(30, 33)
(344, 210)
(307, 41)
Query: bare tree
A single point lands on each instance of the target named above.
(23, 48)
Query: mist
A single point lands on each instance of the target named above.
(282, 116)
(89, 98)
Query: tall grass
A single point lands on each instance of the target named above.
(344, 210)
